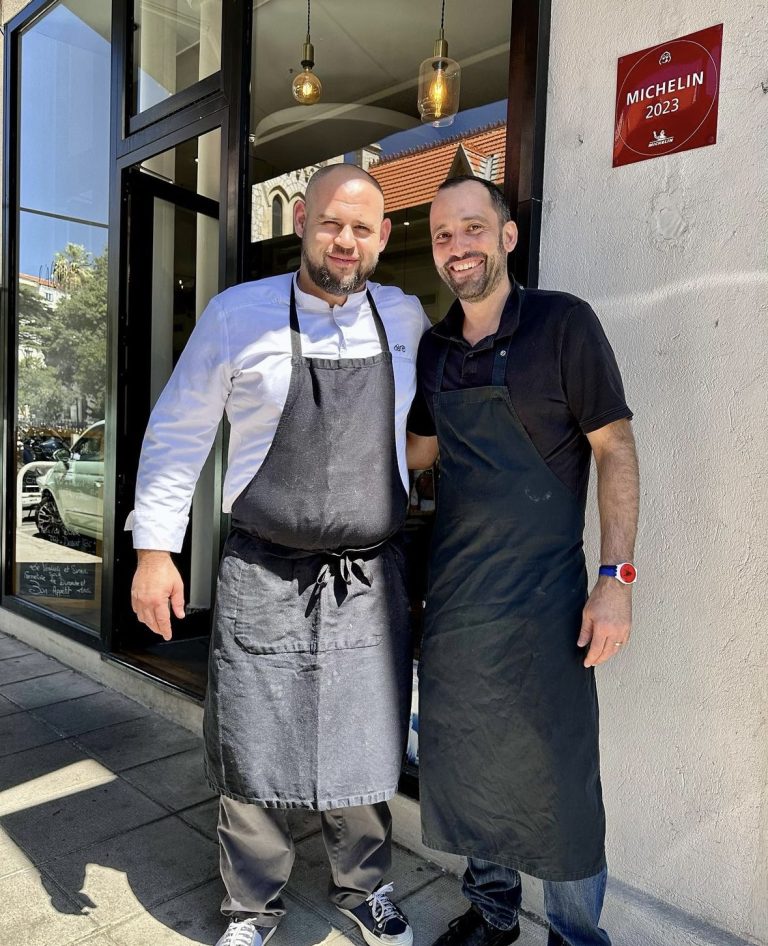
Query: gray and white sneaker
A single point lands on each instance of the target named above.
(246, 933)
(381, 922)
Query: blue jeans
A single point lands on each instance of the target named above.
(573, 906)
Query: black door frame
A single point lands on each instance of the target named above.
(220, 101)
(140, 191)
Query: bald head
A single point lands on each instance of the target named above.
(335, 175)
(342, 228)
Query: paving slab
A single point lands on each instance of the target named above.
(27, 666)
(52, 688)
(22, 731)
(66, 824)
(137, 741)
(7, 708)
(10, 647)
(133, 873)
(88, 713)
(36, 913)
(23, 767)
(311, 872)
(204, 817)
(12, 858)
(174, 782)
(100, 939)
(67, 780)
(306, 925)
(193, 919)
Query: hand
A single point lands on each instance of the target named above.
(156, 582)
(606, 621)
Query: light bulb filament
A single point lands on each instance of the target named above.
(437, 93)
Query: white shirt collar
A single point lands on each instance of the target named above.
(309, 303)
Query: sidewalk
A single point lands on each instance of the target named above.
(108, 831)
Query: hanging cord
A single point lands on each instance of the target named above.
(308, 5)
(442, 17)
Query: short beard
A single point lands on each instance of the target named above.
(495, 268)
(322, 277)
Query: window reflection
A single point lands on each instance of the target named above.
(61, 309)
(176, 43)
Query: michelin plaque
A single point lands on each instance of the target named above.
(667, 97)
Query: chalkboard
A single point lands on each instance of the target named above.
(57, 580)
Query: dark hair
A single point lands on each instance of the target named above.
(327, 169)
(496, 193)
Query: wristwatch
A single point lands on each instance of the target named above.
(625, 572)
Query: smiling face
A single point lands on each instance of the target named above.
(469, 242)
(342, 230)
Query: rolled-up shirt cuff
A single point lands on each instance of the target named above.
(164, 535)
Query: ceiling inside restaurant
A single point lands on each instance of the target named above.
(366, 54)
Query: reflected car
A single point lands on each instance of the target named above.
(41, 447)
(72, 491)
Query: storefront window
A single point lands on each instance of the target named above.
(367, 115)
(175, 44)
(62, 309)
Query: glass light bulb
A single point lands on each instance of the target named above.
(307, 88)
(439, 85)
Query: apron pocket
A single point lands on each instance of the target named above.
(273, 614)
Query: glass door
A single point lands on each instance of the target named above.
(172, 273)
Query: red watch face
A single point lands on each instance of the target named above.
(628, 573)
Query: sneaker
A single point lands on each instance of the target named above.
(381, 922)
(246, 933)
(472, 929)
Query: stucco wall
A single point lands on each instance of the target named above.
(671, 252)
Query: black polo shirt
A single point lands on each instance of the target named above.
(561, 373)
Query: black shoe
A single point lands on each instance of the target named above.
(472, 929)
(381, 922)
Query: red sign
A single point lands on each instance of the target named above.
(666, 97)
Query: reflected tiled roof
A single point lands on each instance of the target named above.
(412, 177)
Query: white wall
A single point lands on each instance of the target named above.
(672, 254)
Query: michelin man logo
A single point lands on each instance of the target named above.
(665, 57)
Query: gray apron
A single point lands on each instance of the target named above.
(508, 730)
(310, 663)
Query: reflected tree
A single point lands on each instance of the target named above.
(63, 345)
(78, 341)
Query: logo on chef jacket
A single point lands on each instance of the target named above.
(399, 347)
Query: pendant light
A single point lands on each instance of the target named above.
(306, 87)
(439, 83)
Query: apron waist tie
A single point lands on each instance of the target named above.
(343, 566)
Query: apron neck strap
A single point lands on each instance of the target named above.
(380, 330)
(296, 330)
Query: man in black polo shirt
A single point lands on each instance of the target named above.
(519, 388)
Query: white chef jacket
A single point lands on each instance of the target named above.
(238, 361)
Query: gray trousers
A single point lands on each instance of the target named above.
(257, 852)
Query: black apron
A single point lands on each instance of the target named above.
(310, 664)
(508, 730)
